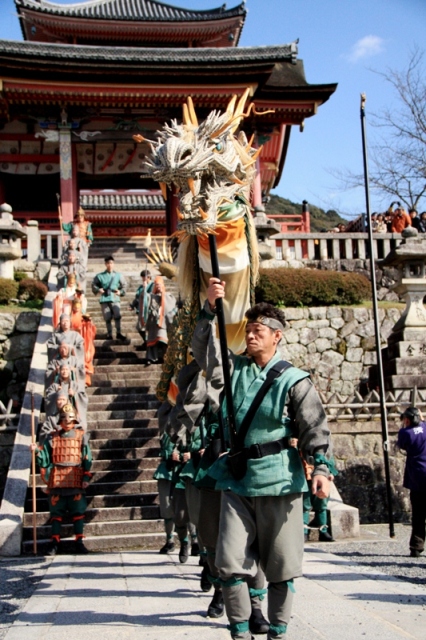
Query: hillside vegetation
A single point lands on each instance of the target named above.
(320, 220)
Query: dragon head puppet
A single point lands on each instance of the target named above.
(211, 168)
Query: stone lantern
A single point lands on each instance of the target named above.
(404, 358)
(265, 228)
(11, 233)
(409, 257)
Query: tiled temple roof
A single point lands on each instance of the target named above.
(122, 201)
(87, 53)
(140, 10)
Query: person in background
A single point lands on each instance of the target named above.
(112, 286)
(415, 220)
(412, 439)
(400, 221)
(422, 222)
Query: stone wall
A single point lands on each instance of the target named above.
(18, 332)
(358, 451)
(335, 344)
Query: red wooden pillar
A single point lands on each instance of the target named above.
(66, 173)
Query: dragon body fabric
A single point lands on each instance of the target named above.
(212, 169)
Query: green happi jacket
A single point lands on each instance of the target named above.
(110, 282)
(273, 475)
(164, 470)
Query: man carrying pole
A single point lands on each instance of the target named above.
(261, 520)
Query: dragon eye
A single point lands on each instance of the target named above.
(219, 146)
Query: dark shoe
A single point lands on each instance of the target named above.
(148, 363)
(109, 336)
(195, 549)
(324, 536)
(168, 547)
(80, 548)
(183, 552)
(257, 622)
(414, 553)
(121, 337)
(53, 548)
(216, 606)
(205, 583)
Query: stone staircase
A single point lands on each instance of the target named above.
(123, 510)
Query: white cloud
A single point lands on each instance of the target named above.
(366, 47)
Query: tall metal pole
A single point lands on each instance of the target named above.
(385, 436)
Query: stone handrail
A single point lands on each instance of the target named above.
(332, 246)
(13, 503)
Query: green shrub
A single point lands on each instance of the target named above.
(311, 288)
(19, 275)
(30, 289)
(8, 290)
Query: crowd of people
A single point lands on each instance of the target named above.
(396, 219)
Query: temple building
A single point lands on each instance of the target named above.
(88, 76)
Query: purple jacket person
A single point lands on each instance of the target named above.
(412, 439)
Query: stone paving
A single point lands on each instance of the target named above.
(134, 595)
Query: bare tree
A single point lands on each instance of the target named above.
(397, 153)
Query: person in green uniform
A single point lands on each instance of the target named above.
(140, 302)
(164, 475)
(112, 286)
(315, 504)
(65, 460)
(261, 518)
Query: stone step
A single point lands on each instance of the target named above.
(122, 380)
(115, 375)
(121, 424)
(117, 477)
(123, 405)
(100, 392)
(98, 529)
(137, 453)
(108, 501)
(132, 486)
(125, 463)
(139, 414)
(122, 434)
(103, 514)
(149, 445)
(103, 544)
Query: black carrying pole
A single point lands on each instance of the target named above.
(223, 347)
(383, 415)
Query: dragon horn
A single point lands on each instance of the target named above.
(240, 106)
(231, 105)
(179, 214)
(203, 214)
(192, 114)
(250, 143)
(186, 118)
(191, 186)
(254, 157)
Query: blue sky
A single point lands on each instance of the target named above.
(341, 41)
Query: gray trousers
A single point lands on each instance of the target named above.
(166, 508)
(183, 525)
(265, 531)
(111, 310)
(208, 533)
